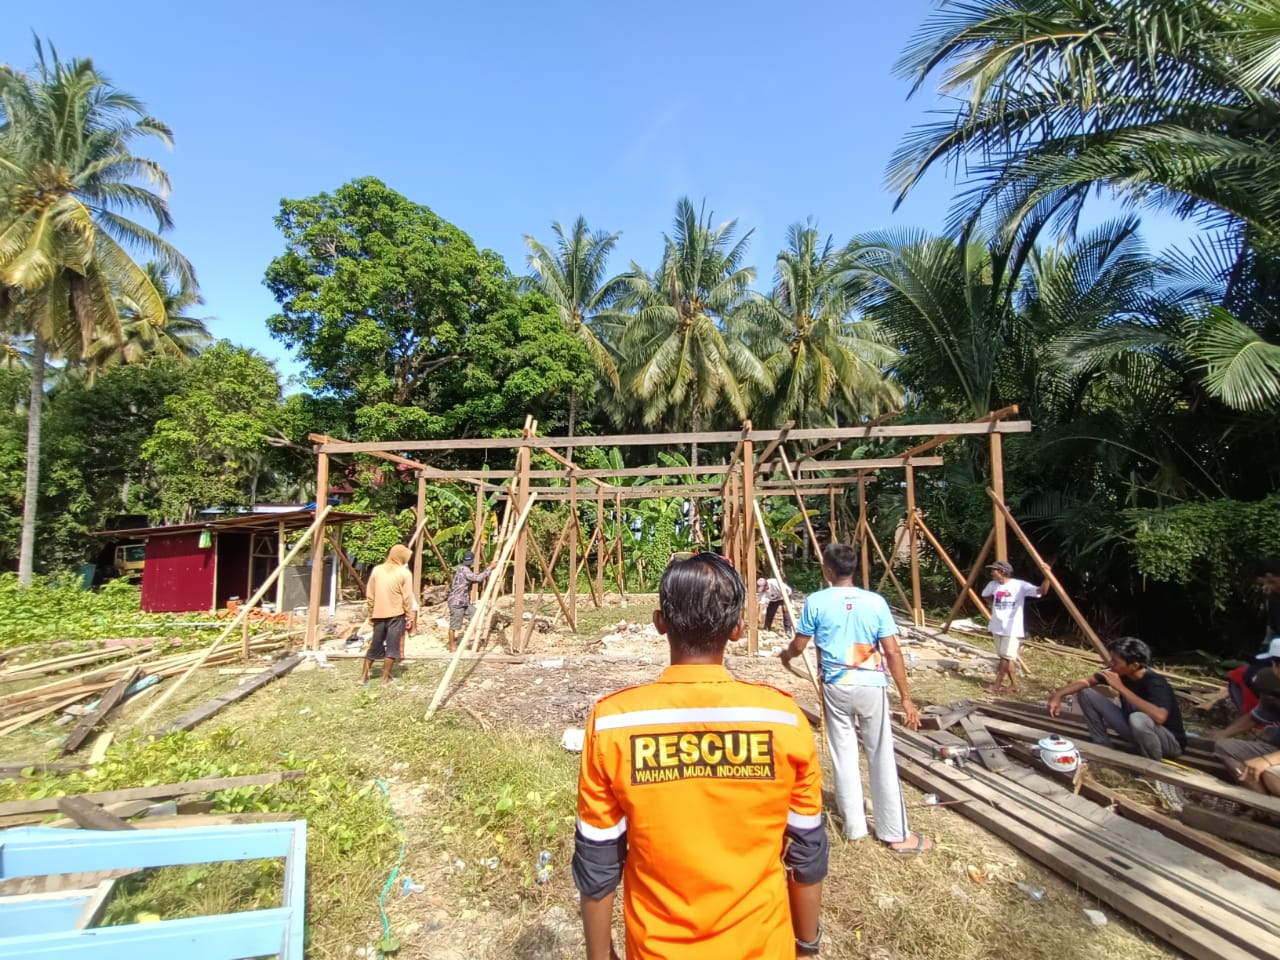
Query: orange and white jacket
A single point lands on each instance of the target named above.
(708, 790)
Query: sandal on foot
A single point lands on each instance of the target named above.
(916, 848)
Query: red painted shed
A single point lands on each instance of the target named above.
(200, 566)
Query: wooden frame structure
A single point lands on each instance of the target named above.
(758, 466)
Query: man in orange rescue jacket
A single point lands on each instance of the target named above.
(706, 792)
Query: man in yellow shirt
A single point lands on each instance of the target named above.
(706, 792)
(392, 609)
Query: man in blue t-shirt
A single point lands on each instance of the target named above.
(857, 642)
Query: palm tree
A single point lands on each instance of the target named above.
(1170, 101)
(825, 361)
(573, 277)
(180, 336)
(68, 182)
(681, 359)
(1157, 101)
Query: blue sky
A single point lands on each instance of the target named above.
(505, 116)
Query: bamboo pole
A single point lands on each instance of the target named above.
(978, 567)
(813, 537)
(888, 567)
(242, 616)
(486, 599)
(749, 540)
(913, 546)
(1067, 602)
(317, 554)
(347, 563)
(965, 589)
(786, 597)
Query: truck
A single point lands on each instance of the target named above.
(128, 560)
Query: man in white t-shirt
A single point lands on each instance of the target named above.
(769, 596)
(1008, 596)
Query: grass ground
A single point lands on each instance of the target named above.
(463, 813)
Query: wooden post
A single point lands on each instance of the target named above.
(913, 545)
(478, 535)
(966, 590)
(312, 638)
(417, 550)
(520, 559)
(600, 544)
(573, 554)
(997, 484)
(831, 514)
(978, 567)
(1067, 602)
(864, 530)
(317, 525)
(622, 579)
(280, 552)
(486, 601)
(749, 538)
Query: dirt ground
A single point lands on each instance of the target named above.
(932, 900)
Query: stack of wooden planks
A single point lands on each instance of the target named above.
(1204, 897)
(23, 707)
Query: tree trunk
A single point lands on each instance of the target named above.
(27, 550)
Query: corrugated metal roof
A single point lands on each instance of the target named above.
(296, 520)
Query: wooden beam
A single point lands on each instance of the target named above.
(913, 548)
(572, 530)
(681, 439)
(202, 713)
(89, 815)
(965, 588)
(997, 486)
(774, 444)
(804, 513)
(81, 731)
(421, 514)
(1048, 574)
(13, 808)
(1234, 828)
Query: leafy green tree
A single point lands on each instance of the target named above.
(412, 330)
(826, 362)
(573, 277)
(681, 360)
(69, 183)
(211, 445)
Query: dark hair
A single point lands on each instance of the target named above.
(1131, 650)
(841, 559)
(702, 600)
(1270, 566)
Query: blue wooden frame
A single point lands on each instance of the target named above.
(37, 851)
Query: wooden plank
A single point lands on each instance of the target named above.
(678, 439)
(12, 808)
(92, 912)
(937, 717)
(89, 814)
(1038, 712)
(988, 750)
(202, 713)
(1199, 783)
(1192, 837)
(1237, 828)
(108, 703)
(99, 751)
(15, 769)
(1047, 845)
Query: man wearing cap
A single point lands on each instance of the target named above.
(1008, 596)
(460, 605)
(1255, 763)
